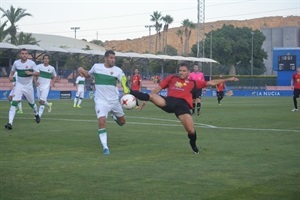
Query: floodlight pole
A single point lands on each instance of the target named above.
(210, 64)
(252, 33)
(149, 26)
(75, 29)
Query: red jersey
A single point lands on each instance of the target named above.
(296, 80)
(181, 88)
(221, 87)
(136, 82)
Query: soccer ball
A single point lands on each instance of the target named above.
(128, 101)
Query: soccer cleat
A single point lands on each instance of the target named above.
(50, 107)
(74, 106)
(8, 126)
(295, 110)
(20, 112)
(116, 120)
(78, 106)
(194, 147)
(106, 151)
(198, 113)
(37, 118)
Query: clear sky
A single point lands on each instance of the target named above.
(126, 19)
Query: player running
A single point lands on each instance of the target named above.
(26, 70)
(46, 78)
(107, 95)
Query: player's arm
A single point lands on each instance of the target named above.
(292, 82)
(84, 72)
(218, 81)
(36, 83)
(11, 76)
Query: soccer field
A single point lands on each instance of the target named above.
(250, 149)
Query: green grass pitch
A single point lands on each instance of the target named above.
(250, 149)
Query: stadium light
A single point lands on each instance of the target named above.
(149, 26)
(75, 29)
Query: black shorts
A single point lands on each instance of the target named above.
(176, 105)
(220, 94)
(197, 93)
(296, 93)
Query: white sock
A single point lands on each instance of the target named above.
(103, 137)
(75, 100)
(35, 109)
(20, 105)
(79, 102)
(41, 110)
(11, 114)
(47, 103)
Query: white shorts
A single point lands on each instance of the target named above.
(42, 93)
(12, 92)
(26, 90)
(80, 94)
(103, 107)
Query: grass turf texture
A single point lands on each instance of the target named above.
(250, 149)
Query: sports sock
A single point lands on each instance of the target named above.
(198, 106)
(75, 101)
(41, 110)
(295, 102)
(193, 109)
(20, 105)
(79, 101)
(47, 103)
(193, 137)
(140, 95)
(34, 107)
(103, 137)
(11, 114)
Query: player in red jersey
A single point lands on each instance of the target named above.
(295, 83)
(179, 98)
(136, 85)
(220, 90)
(197, 93)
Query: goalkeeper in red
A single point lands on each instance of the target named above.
(179, 98)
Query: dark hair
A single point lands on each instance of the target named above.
(23, 49)
(46, 55)
(184, 64)
(108, 52)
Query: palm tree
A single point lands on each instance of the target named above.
(25, 38)
(179, 33)
(14, 15)
(3, 32)
(156, 17)
(168, 20)
(188, 26)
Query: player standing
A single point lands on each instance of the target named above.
(295, 83)
(26, 70)
(179, 98)
(80, 84)
(46, 78)
(196, 75)
(220, 90)
(136, 85)
(106, 95)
